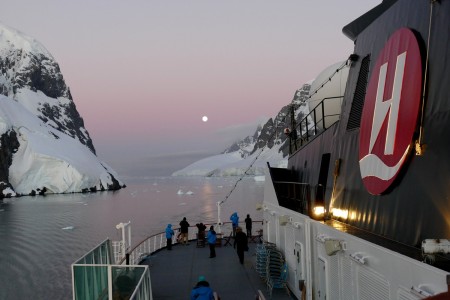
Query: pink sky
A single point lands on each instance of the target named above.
(143, 73)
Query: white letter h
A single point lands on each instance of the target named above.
(391, 106)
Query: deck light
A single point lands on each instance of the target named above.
(319, 211)
(340, 213)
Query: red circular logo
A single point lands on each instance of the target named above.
(390, 112)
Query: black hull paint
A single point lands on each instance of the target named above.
(417, 206)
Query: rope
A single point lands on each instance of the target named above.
(425, 79)
(327, 80)
(252, 163)
(276, 130)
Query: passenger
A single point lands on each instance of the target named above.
(248, 225)
(201, 231)
(234, 222)
(201, 290)
(184, 230)
(241, 243)
(211, 237)
(169, 235)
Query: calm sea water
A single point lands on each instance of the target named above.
(36, 252)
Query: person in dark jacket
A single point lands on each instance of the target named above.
(184, 230)
(240, 244)
(169, 235)
(202, 290)
(248, 225)
(201, 231)
(211, 237)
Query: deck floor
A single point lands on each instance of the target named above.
(174, 273)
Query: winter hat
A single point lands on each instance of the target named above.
(201, 278)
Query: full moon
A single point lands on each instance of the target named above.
(204, 118)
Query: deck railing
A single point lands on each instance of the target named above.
(95, 277)
(316, 121)
(158, 241)
(106, 273)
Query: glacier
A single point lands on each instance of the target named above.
(44, 146)
(48, 160)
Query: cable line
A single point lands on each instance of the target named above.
(351, 58)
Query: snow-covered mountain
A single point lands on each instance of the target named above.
(269, 144)
(250, 155)
(44, 146)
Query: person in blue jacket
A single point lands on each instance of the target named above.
(234, 222)
(202, 290)
(211, 237)
(169, 235)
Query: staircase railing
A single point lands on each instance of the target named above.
(316, 122)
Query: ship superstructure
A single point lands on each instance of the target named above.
(363, 209)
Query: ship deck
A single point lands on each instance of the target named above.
(174, 273)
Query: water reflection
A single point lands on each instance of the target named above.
(37, 252)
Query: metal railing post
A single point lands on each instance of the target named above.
(315, 121)
(323, 114)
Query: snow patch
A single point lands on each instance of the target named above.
(232, 164)
(49, 158)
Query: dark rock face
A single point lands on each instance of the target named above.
(243, 144)
(30, 76)
(9, 145)
(271, 133)
(40, 72)
(74, 127)
(115, 185)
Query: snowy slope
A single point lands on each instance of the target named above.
(269, 144)
(250, 155)
(49, 158)
(26, 66)
(44, 146)
(232, 164)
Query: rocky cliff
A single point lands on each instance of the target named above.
(250, 155)
(41, 107)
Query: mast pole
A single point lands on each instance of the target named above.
(219, 222)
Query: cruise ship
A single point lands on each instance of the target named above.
(362, 210)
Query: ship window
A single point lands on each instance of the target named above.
(354, 120)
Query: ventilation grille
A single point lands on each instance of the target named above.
(334, 273)
(346, 279)
(354, 119)
(372, 285)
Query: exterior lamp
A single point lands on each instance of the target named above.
(318, 211)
